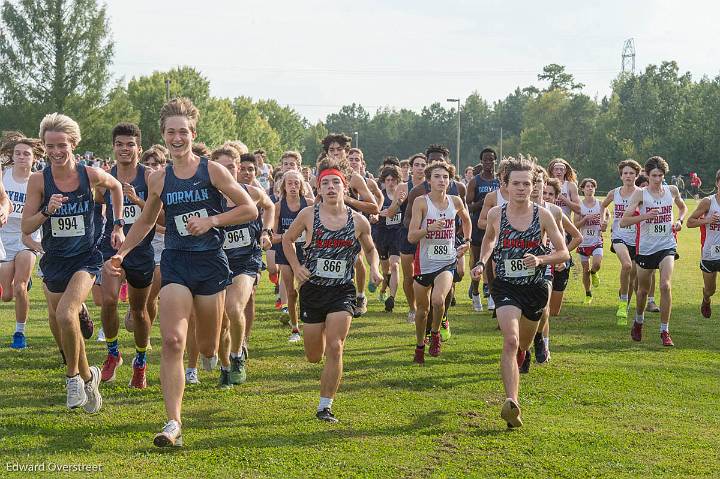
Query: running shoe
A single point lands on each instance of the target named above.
(284, 315)
(636, 331)
(411, 317)
(621, 313)
(138, 380)
(361, 307)
(705, 309)
(435, 344)
(209, 363)
(470, 293)
(486, 290)
(510, 413)
(419, 355)
(278, 304)
(326, 415)
(389, 304)
(525, 366)
(477, 303)
(520, 357)
(170, 436)
(595, 279)
(491, 303)
(76, 395)
(124, 292)
(86, 325)
(129, 323)
(101, 336)
(109, 367)
(18, 341)
(382, 296)
(295, 336)
(453, 301)
(224, 379)
(273, 278)
(541, 352)
(666, 339)
(191, 376)
(588, 298)
(445, 329)
(92, 392)
(244, 352)
(652, 307)
(238, 375)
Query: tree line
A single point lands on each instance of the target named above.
(57, 56)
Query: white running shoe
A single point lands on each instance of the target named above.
(76, 396)
(491, 304)
(294, 338)
(411, 317)
(170, 436)
(191, 376)
(101, 336)
(209, 363)
(361, 306)
(92, 391)
(477, 303)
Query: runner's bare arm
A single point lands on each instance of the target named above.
(629, 217)
(489, 202)
(418, 190)
(366, 201)
(277, 237)
(148, 215)
(375, 190)
(5, 205)
(32, 218)
(699, 216)
(362, 232)
(549, 227)
(573, 198)
(464, 216)
(473, 205)
(400, 195)
(569, 228)
(244, 210)
(492, 225)
(303, 222)
(101, 179)
(415, 232)
(682, 207)
(608, 199)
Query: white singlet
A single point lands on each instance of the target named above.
(437, 249)
(628, 234)
(11, 233)
(499, 199)
(710, 234)
(591, 234)
(656, 235)
(564, 190)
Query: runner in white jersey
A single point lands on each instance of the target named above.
(569, 200)
(433, 226)
(592, 222)
(516, 236)
(20, 249)
(707, 217)
(656, 243)
(623, 239)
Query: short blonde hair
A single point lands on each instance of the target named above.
(179, 107)
(292, 154)
(238, 145)
(226, 151)
(288, 174)
(63, 124)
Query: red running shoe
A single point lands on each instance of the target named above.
(434, 344)
(520, 358)
(273, 278)
(705, 309)
(109, 368)
(138, 380)
(124, 293)
(419, 356)
(278, 304)
(636, 331)
(666, 339)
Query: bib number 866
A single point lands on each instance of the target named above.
(331, 268)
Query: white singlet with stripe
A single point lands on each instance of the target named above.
(437, 249)
(656, 235)
(710, 234)
(564, 190)
(11, 233)
(591, 233)
(628, 234)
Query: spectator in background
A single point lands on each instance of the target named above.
(404, 170)
(264, 170)
(695, 184)
(469, 175)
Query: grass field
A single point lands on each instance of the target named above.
(604, 406)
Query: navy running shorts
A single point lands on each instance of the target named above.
(202, 272)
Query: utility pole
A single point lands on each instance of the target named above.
(458, 132)
(628, 56)
(167, 89)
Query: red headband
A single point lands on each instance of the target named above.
(331, 171)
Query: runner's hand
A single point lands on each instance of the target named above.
(477, 272)
(265, 242)
(113, 265)
(129, 191)
(376, 277)
(462, 249)
(117, 238)
(436, 225)
(302, 274)
(55, 202)
(198, 226)
(531, 261)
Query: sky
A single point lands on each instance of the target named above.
(316, 56)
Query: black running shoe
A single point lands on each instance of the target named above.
(453, 301)
(389, 304)
(525, 367)
(86, 324)
(540, 351)
(326, 415)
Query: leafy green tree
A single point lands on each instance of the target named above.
(289, 125)
(254, 130)
(558, 78)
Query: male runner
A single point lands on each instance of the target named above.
(592, 222)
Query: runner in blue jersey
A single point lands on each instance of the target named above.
(138, 265)
(516, 236)
(292, 201)
(243, 246)
(195, 269)
(335, 235)
(60, 199)
(389, 227)
(479, 186)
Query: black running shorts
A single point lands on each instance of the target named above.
(530, 299)
(631, 249)
(652, 261)
(316, 301)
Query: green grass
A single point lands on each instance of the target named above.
(604, 406)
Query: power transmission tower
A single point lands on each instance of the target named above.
(628, 56)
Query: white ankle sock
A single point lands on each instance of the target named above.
(664, 328)
(20, 328)
(325, 403)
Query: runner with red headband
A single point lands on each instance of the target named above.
(327, 294)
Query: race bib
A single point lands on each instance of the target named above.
(659, 230)
(67, 226)
(17, 210)
(181, 221)
(237, 238)
(395, 220)
(590, 233)
(514, 268)
(331, 268)
(716, 250)
(301, 238)
(441, 250)
(131, 213)
(628, 229)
